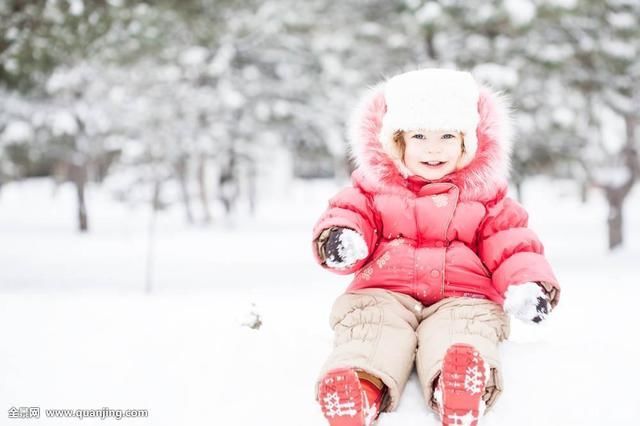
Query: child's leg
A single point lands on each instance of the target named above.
(476, 322)
(375, 333)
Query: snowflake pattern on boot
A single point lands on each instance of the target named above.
(343, 400)
(461, 385)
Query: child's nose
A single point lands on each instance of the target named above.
(433, 147)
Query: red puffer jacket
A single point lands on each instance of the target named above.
(460, 236)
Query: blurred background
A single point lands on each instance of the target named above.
(162, 163)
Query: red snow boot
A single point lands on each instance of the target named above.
(461, 386)
(349, 400)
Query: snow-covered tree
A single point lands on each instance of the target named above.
(599, 72)
(200, 102)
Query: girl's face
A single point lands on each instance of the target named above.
(432, 154)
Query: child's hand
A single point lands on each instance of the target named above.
(528, 302)
(344, 248)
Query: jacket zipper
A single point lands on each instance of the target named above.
(446, 240)
(415, 254)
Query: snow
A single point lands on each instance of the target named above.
(12, 65)
(371, 29)
(563, 116)
(76, 7)
(12, 33)
(557, 53)
(331, 65)
(621, 20)
(221, 60)
(64, 123)
(521, 11)
(17, 131)
(620, 49)
(496, 75)
(565, 4)
(611, 176)
(484, 13)
(79, 331)
(413, 4)
(194, 56)
(231, 97)
(429, 13)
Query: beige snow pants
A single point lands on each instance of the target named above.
(383, 332)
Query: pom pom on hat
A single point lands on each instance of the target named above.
(431, 99)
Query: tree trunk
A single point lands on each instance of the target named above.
(151, 235)
(78, 175)
(83, 222)
(615, 219)
(584, 191)
(252, 190)
(156, 201)
(228, 183)
(430, 45)
(617, 195)
(519, 191)
(181, 171)
(202, 187)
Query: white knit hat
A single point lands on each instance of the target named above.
(432, 99)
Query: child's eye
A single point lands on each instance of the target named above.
(448, 136)
(418, 136)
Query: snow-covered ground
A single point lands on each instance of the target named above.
(79, 331)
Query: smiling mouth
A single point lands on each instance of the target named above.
(433, 163)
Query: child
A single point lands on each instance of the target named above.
(437, 248)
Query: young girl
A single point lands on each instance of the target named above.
(439, 252)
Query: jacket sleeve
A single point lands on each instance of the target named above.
(350, 208)
(511, 251)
